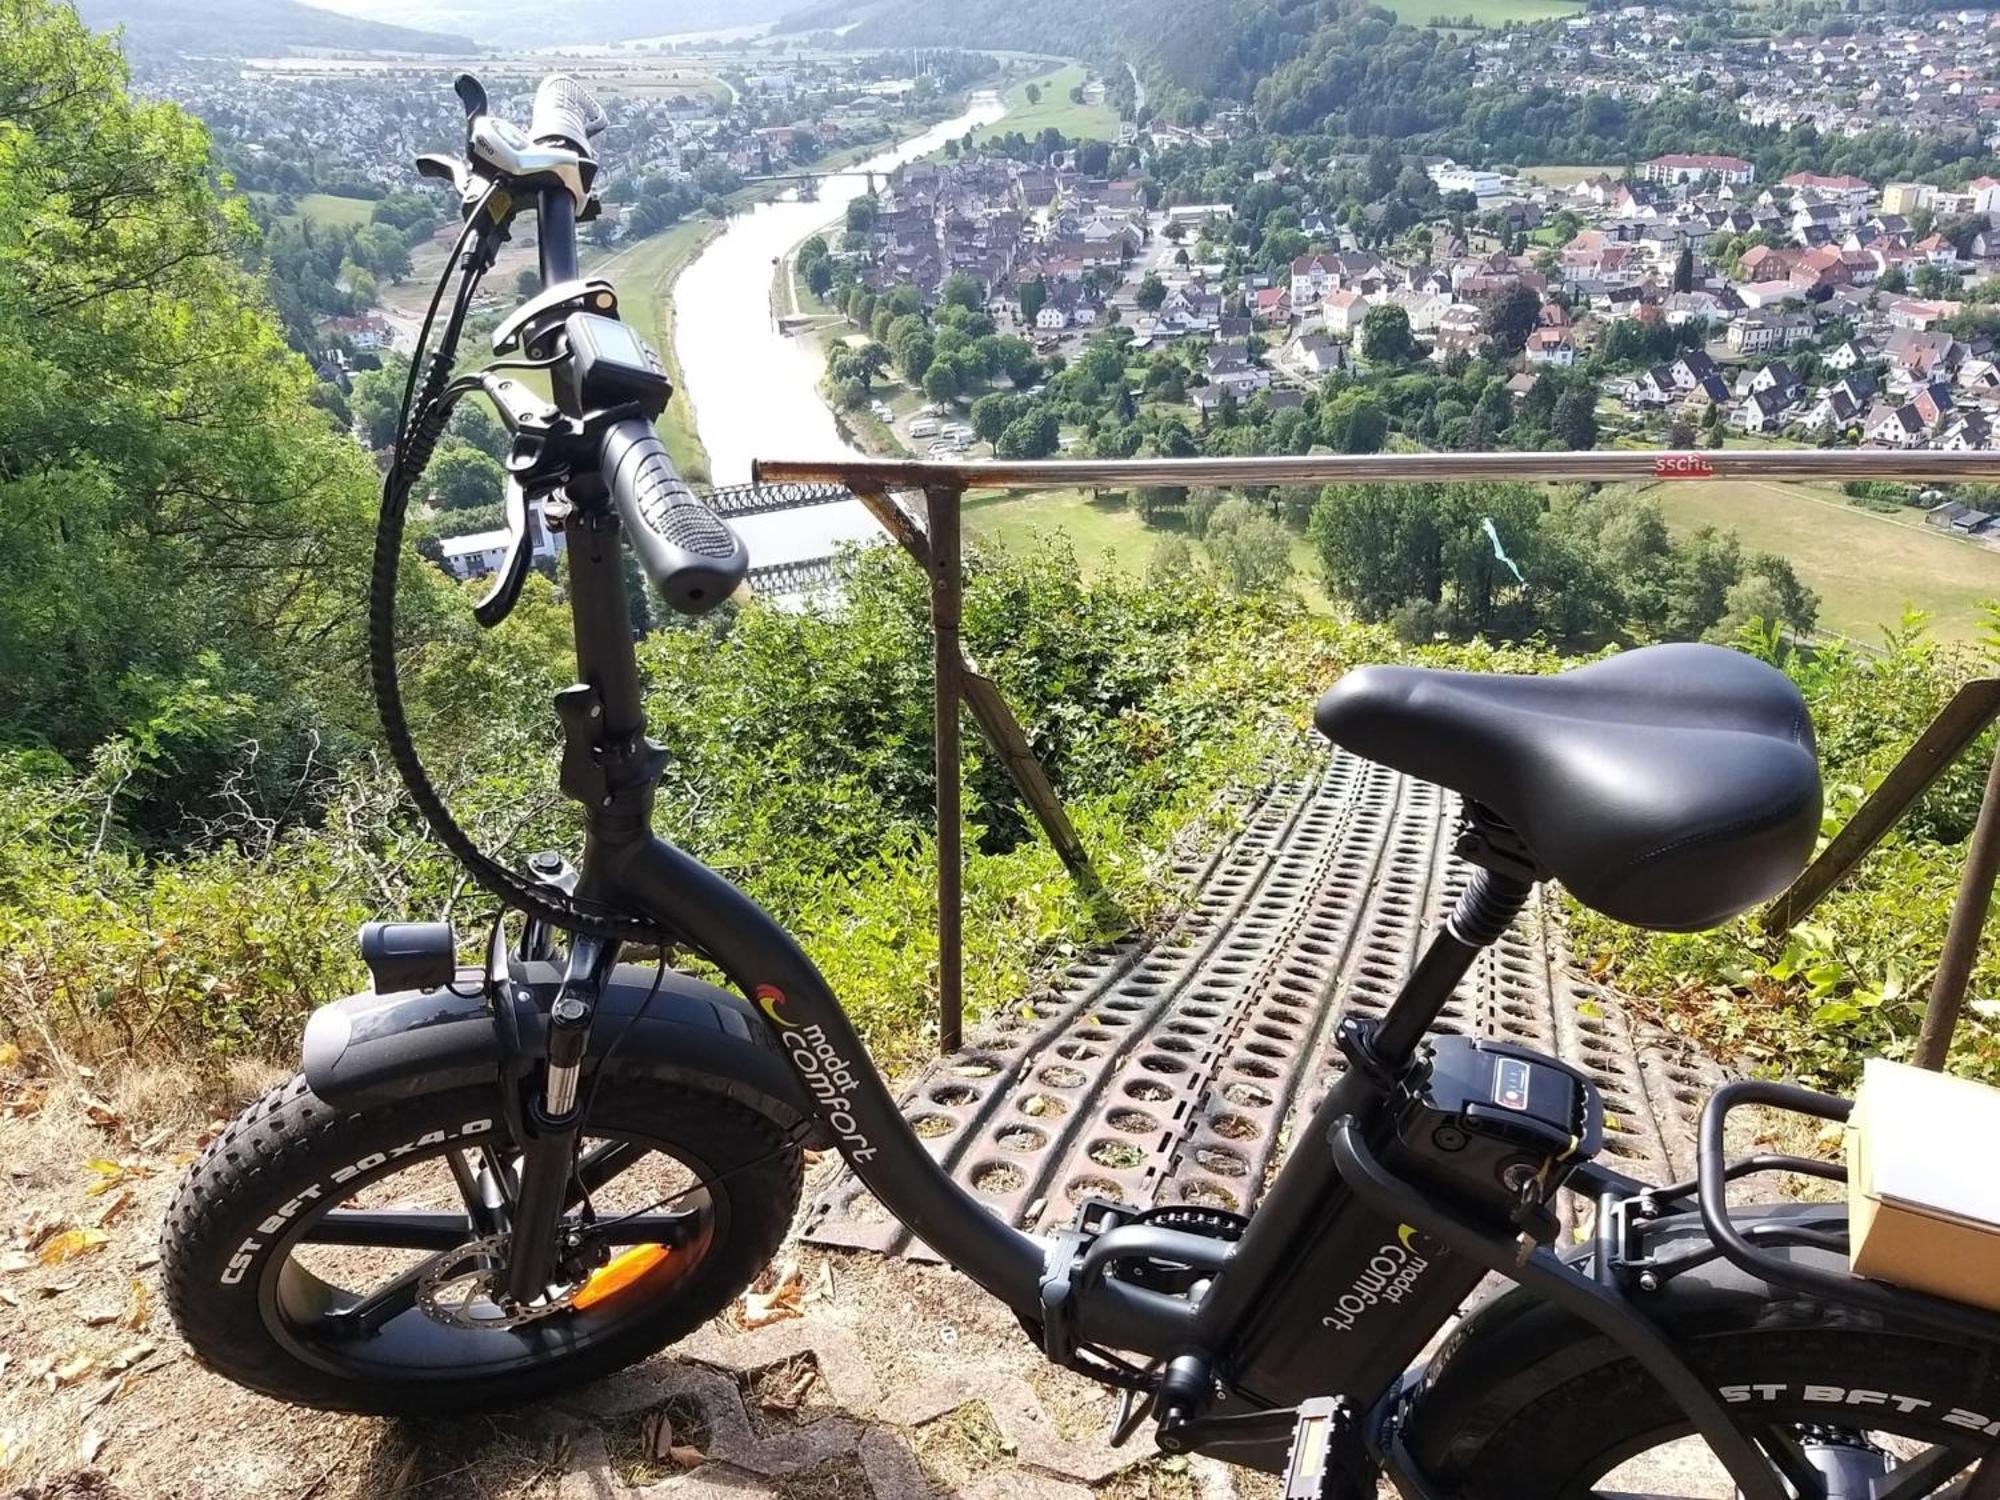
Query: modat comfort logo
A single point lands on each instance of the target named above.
(769, 998)
(1388, 1277)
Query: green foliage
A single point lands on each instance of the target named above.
(167, 486)
(1386, 337)
(1592, 567)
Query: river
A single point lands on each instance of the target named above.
(755, 390)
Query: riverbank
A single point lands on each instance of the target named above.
(645, 274)
(754, 386)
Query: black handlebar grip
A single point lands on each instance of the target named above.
(565, 111)
(690, 555)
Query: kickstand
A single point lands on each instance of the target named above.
(1134, 1406)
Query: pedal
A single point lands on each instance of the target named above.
(1312, 1450)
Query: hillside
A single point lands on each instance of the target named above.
(250, 28)
(543, 23)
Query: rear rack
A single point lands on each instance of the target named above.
(1749, 1250)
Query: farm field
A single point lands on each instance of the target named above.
(1098, 122)
(1866, 566)
(1107, 535)
(1569, 175)
(1482, 12)
(327, 208)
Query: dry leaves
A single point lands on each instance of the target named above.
(111, 1174)
(783, 1297)
(72, 1243)
(100, 1114)
(657, 1433)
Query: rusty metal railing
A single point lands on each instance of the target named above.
(935, 546)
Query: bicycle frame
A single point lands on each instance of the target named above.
(1230, 1361)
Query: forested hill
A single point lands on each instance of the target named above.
(1345, 70)
(1170, 35)
(253, 28)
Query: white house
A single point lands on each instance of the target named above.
(1344, 312)
(1481, 182)
(1551, 346)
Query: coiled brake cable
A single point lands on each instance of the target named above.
(419, 424)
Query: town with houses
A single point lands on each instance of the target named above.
(1861, 274)
(1924, 71)
(1813, 308)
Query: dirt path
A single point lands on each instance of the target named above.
(895, 1381)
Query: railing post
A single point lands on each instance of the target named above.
(941, 510)
(1948, 736)
(1968, 920)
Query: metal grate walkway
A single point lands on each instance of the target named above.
(1177, 1070)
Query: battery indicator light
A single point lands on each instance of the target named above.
(1510, 1083)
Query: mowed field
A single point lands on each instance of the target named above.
(1482, 12)
(1866, 566)
(328, 208)
(1107, 535)
(1569, 175)
(1095, 122)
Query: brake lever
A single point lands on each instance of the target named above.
(437, 165)
(506, 591)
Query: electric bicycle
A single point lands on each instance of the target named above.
(492, 1183)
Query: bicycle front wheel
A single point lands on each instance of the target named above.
(349, 1261)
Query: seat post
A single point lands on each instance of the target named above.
(1485, 909)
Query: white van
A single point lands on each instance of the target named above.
(924, 427)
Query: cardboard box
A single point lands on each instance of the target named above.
(1923, 1198)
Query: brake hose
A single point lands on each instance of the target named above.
(419, 425)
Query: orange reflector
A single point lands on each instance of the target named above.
(618, 1273)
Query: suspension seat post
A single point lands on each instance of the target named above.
(1485, 910)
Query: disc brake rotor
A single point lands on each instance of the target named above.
(458, 1291)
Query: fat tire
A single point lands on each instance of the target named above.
(1570, 1405)
(290, 1139)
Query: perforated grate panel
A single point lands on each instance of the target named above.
(1177, 1071)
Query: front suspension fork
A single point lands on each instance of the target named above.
(550, 1125)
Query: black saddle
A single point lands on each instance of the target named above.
(1670, 787)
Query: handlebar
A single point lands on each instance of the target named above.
(689, 554)
(567, 112)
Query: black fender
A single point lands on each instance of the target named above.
(1515, 1346)
(371, 1049)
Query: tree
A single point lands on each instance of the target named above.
(994, 414)
(1032, 435)
(380, 249)
(1152, 292)
(1385, 336)
(1575, 420)
(473, 422)
(861, 212)
(961, 290)
(941, 381)
(527, 282)
(1251, 552)
(912, 348)
(1033, 295)
(1510, 318)
(460, 476)
(1684, 270)
(1033, 93)
(197, 516)
(1172, 563)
